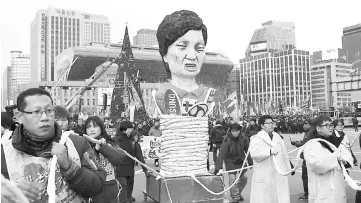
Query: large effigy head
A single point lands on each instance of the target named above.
(182, 38)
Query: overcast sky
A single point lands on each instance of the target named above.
(230, 23)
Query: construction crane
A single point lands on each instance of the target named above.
(100, 70)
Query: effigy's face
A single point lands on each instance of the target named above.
(185, 56)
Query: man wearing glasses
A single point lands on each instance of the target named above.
(267, 184)
(325, 180)
(29, 148)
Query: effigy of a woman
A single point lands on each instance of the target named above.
(183, 105)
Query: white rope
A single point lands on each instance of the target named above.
(147, 167)
(51, 179)
(119, 188)
(354, 140)
(235, 182)
(284, 173)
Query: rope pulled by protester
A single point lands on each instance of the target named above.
(53, 161)
(235, 182)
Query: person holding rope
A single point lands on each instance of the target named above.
(358, 193)
(125, 170)
(309, 131)
(325, 179)
(339, 127)
(109, 155)
(232, 152)
(268, 185)
(31, 149)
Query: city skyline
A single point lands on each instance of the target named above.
(316, 28)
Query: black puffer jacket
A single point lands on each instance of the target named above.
(233, 152)
(126, 168)
(217, 135)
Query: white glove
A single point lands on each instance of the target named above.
(274, 151)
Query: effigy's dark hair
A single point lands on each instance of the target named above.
(175, 26)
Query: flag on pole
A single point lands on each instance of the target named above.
(230, 104)
(307, 102)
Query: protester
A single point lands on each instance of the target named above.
(309, 131)
(33, 143)
(217, 135)
(358, 193)
(109, 154)
(233, 150)
(268, 185)
(155, 130)
(339, 127)
(6, 124)
(125, 170)
(62, 117)
(145, 128)
(252, 129)
(325, 180)
(355, 123)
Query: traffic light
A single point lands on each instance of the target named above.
(105, 100)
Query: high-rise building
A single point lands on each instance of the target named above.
(351, 42)
(326, 68)
(19, 71)
(4, 88)
(275, 77)
(54, 30)
(145, 37)
(233, 82)
(273, 36)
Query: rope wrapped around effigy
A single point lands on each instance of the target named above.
(184, 145)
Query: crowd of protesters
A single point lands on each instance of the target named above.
(95, 168)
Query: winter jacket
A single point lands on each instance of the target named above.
(233, 152)
(110, 156)
(126, 168)
(252, 130)
(217, 135)
(309, 134)
(86, 180)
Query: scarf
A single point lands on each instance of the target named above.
(30, 144)
(332, 139)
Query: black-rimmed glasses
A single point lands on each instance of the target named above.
(48, 112)
(328, 125)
